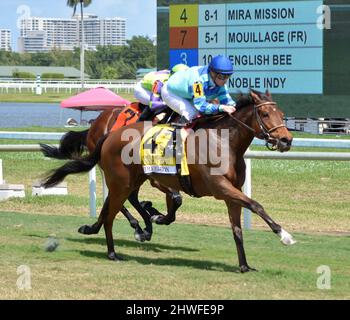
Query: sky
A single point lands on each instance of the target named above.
(140, 15)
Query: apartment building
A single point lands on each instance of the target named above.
(5, 39)
(107, 31)
(44, 34)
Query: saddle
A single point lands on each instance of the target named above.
(162, 151)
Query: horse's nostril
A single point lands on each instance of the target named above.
(286, 141)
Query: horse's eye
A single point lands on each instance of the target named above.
(265, 114)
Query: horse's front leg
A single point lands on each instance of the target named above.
(139, 234)
(224, 190)
(173, 201)
(234, 212)
(285, 237)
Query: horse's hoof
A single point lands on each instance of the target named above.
(246, 268)
(85, 229)
(162, 220)
(114, 257)
(158, 219)
(140, 237)
(286, 238)
(148, 235)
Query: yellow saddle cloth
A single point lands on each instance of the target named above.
(163, 151)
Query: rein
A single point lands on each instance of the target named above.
(264, 133)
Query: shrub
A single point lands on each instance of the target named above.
(23, 75)
(52, 75)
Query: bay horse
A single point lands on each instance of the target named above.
(72, 146)
(257, 115)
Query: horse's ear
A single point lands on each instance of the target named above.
(267, 93)
(255, 97)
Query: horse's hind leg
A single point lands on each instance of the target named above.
(95, 228)
(133, 221)
(115, 204)
(147, 232)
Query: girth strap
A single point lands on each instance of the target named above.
(184, 180)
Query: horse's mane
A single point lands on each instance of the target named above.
(243, 101)
(246, 100)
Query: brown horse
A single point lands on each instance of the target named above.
(72, 146)
(257, 115)
(73, 143)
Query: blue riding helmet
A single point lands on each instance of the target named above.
(221, 64)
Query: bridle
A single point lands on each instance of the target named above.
(264, 134)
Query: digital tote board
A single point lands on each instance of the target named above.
(272, 45)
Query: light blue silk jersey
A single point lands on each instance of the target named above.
(182, 84)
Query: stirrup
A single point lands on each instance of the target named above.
(178, 124)
(183, 122)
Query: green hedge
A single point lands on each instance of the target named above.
(52, 75)
(23, 75)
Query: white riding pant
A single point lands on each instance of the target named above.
(180, 105)
(141, 94)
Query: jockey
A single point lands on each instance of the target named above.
(188, 92)
(148, 91)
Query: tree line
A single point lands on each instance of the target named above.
(107, 62)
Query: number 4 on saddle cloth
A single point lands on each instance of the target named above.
(162, 151)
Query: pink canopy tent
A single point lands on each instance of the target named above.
(97, 99)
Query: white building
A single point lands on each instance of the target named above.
(53, 33)
(65, 34)
(5, 39)
(108, 31)
(33, 41)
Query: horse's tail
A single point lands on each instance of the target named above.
(71, 146)
(75, 166)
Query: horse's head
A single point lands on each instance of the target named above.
(269, 124)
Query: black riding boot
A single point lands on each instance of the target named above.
(146, 115)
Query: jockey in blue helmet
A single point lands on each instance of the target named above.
(190, 91)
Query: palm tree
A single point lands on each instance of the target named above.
(73, 4)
